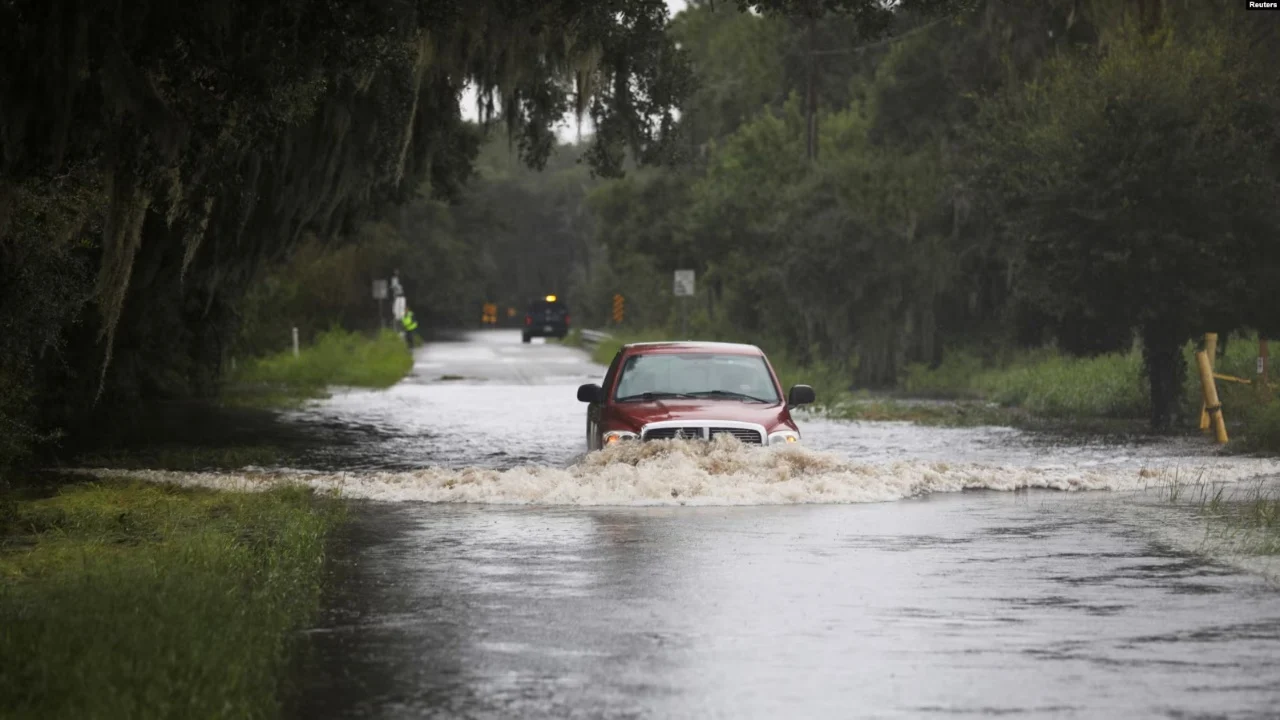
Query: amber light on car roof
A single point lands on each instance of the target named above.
(551, 298)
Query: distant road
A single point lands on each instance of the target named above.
(498, 357)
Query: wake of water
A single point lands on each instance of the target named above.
(722, 472)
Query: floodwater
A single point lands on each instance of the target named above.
(884, 570)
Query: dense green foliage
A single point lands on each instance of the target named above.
(154, 156)
(514, 236)
(1078, 175)
(1140, 181)
(134, 600)
(862, 184)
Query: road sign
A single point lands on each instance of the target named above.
(684, 283)
(619, 308)
(379, 289)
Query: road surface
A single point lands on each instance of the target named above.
(860, 590)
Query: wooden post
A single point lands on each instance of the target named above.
(1210, 349)
(1211, 403)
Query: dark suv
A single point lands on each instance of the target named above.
(547, 317)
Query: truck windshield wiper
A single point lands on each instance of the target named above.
(654, 396)
(728, 394)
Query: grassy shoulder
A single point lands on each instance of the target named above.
(134, 600)
(191, 458)
(572, 339)
(1042, 388)
(337, 357)
(1107, 392)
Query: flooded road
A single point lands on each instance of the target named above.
(481, 400)
(492, 572)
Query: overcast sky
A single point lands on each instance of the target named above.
(568, 128)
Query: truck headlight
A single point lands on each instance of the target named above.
(784, 437)
(614, 436)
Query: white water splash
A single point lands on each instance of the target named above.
(722, 473)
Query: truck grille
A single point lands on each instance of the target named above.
(751, 437)
(690, 433)
(743, 435)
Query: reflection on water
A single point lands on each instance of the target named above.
(953, 605)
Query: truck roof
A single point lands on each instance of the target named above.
(672, 346)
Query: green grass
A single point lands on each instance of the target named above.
(1043, 383)
(572, 339)
(602, 354)
(959, 413)
(1261, 424)
(1109, 386)
(132, 600)
(1026, 390)
(183, 458)
(1046, 384)
(337, 357)
(1245, 519)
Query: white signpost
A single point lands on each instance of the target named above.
(684, 287)
(684, 283)
(380, 294)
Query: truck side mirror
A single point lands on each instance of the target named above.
(800, 395)
(591, 393)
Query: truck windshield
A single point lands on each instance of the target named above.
(739, 378)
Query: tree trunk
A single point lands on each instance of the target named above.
(1162, 357)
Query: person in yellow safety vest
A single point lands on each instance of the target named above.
(410, 326)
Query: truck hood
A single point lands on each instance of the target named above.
(639, 414)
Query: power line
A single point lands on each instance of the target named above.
(811, 90)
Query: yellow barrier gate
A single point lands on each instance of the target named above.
(1211, 418)
(1212, 405)
(1210, 350)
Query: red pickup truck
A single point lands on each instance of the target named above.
(691, 390)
